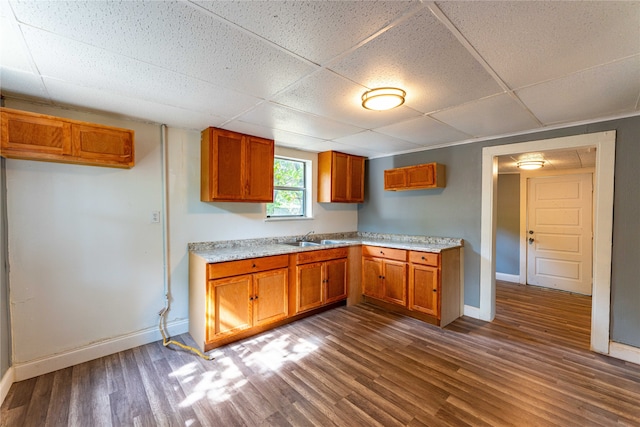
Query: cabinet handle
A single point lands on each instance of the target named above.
(423, 258)
(435, 290)
(250, 298)
(253, 266)
(256, 297)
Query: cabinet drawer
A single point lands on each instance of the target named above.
(426, 258)
(245, 266)
(321, 255)
(387, 253)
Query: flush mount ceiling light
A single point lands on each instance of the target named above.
(530, 164)
(383, 98)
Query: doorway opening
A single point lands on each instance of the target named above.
(602, 230)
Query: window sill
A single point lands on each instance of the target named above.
(289, 218)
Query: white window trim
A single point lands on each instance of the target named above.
(308, 177)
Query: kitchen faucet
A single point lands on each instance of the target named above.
(306, 236)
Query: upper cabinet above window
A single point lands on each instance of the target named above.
(235, 167)
(340, 178)
(32, 136)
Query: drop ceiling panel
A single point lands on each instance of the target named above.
(599, 91)
(377, 142)
(279, 117)
(529, 42)
(315, 30)
(344, 148)
(172, 35)
(495, 115)
(23, 85)
(100, 101)
(12, 50)
(421, 56)
(423, 131)
(327, 94)
(281, 138)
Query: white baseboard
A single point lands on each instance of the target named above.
(624, 352)
(5, 383)
(23, 371)
(472, 311)
(513, 278)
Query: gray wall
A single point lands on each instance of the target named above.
(508, 225)
(455, 211)
(5, 339)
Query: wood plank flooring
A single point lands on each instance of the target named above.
(357, 366)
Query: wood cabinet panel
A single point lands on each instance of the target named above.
(235, 167)
(340, 178)
(246, 266)
(419, 177)
(321, 255)
(427, 258)
(372, 277)
(387, 253)
(424, 282)
(394, 276)
(335, 280)
(34, 136)
(310, 286)
(229, 308)
(270, 298)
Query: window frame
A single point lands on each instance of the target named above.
(306, 191)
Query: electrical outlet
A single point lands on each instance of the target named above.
(155, 216)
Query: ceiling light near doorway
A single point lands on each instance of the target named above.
(530, 164)
(383, 98)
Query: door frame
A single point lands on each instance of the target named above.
(524, 206)
(602, 224)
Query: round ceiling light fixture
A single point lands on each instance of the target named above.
(383, 98)
(530, 164)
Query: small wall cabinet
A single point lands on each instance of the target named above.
(321, 278)
(235, 167)
(340, 178)
(32, 136)
(419, 177)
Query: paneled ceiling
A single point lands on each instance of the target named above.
(295, 71)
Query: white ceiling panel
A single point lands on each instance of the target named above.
(377, 142)
(481, 118)
(423, 131)
(316, 30)
(529, 42)
(607, 89)
(421, 56)
(101, 101)
(327, 94)
(281, 137)
(13, 53)
(344, 148)
(282, 118)
(22, 84)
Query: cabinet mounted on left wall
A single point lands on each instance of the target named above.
(235, 167)
(32, 136)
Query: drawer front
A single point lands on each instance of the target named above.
(426, 258)
(387, 253)
(245, 266)
(321, 255)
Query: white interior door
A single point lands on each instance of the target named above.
(559, 232)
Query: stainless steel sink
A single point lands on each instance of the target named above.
(329, 242)
(302, 244)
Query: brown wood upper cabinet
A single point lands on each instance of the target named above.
(235, 167)
(429, 175)
(340, 178)
(33, 136)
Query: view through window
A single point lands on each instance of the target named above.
(289, 189)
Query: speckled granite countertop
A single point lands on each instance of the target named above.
(231, 250)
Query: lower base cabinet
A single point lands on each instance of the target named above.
(321, 278)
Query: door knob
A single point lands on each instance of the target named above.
(530, 240)
(530, 231)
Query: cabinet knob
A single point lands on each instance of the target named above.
(253, 266)
(435, 290)
(256, 297)
(250, 298)
(423, 258)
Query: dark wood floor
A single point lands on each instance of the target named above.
(358, 366)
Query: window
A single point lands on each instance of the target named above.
(290, 189)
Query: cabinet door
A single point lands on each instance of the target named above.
(340, 177)
(270, 296)
(229, 308)
(259, 170)
(421, 176)
(424, 289)
(335, 280)
(395, 282)
(102, 145)
(356, 179)
(309, 286)
(395, 179)
(226, 169)
(34, 136)
(372, 277)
